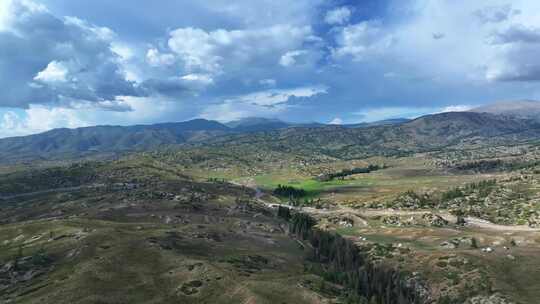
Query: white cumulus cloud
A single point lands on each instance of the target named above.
(156, 59)
(274, 97)
(359, 41)
(56, 59)
(263, 103)
(54, 72)
(291, 57)
(339, 15)
(197, 81)
(211, 51)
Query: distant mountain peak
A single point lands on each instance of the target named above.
(251, 124)
(250, 121)
(519, 108)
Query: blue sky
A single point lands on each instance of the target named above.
(72, 63)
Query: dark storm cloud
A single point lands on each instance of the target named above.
(496, 14)
(517, 34)
(520, 56)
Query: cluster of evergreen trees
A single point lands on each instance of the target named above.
(483, 187)
(423, 200)
(345, 264)
(413, 200)
(347, 172)
(216, 180)
(289, 192)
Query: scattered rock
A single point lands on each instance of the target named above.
(191, 287)
(488, 249)
(493, 299)
(434, 220)
(191, 267)
(448, 245)
(392, 220)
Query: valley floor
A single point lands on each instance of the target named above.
(151, 230)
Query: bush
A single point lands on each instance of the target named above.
(40, 258)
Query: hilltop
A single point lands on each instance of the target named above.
(518, 108)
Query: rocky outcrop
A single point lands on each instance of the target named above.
(493, 299)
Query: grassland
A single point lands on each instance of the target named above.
(402, 175)
(157, 230)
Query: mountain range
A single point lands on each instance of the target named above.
(503, 121)
(59, 143)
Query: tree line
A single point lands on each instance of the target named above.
(347, 172)
(492, 165)
(289, 192)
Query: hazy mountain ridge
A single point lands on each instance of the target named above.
(256, 124)
(392, 121)
(459, 129)
(431, 131)
(519, 108)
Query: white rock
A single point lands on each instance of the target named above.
(487, 249)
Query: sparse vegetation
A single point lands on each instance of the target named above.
(181, 225)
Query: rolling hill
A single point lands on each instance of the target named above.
(98, 139)
(431, 132)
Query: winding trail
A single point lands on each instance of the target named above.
(483, 224)
(471, 222)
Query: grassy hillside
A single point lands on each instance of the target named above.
(75, 143)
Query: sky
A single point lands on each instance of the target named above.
(74, 63)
